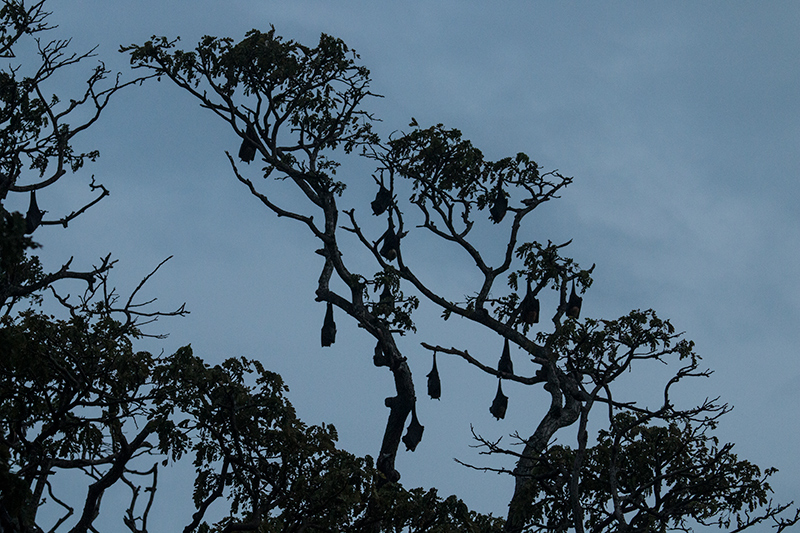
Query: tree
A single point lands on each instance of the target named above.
(76, 398)
(68, 386)
(298, 109)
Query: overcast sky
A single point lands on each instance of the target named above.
(679, 122)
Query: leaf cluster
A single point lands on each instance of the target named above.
(316, 92)
(17, 268)
(649, 477)
(642, 473)
(444, 167)
(392, 305)
(74, 395)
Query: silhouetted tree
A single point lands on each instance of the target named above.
(648, 469)
(67, 386)
(78, 401)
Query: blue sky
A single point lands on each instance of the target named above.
(679, 122)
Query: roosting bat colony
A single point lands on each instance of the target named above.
(527, 312)
(297, 110)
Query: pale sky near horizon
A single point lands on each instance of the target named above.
(679, 122)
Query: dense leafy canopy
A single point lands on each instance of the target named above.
(77, 397)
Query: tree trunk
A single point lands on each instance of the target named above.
(559, 416)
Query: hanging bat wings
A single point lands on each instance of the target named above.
(499, 206)
(386, 301)
(574, 304)
(247, 151)
(328, 327)
(505, 364)
(382, 201)
(414, 433)
(434, 384)
(529, 308)
(34, 216)
(379, 357)
(500, 403)
(391, 243)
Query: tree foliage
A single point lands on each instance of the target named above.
(649, 468)
(79, 402)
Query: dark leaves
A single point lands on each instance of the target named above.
(328, 327)
(500, 403)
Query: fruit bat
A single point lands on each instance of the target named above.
(391, 244)
(34, 216)
(247, 151)
(500, 403)
(499, 207)
(379, 358)
(529, 308)
(387, 299)
(434, 384)
(414, 432)
(505, 364)
(328, 327)
(574, 304)
(382, 201)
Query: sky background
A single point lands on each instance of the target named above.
(679, 122)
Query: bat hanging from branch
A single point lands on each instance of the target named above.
(434, 384)
(391, 243)
(500, 403)
(505, 364)
(529, 307)
(499, 206)
(382, 201)
(34, 216)
(379, 357)
(386, 300)
(414, 433)
(574, 303)
(328, 327)
(247, 151)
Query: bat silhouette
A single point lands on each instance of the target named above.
(414, 432)
(505, 364)
(434, 384)
(34, 216)
(328, 327)
(500, 403)
(529, 308)
(574, 303)
(499, 206)
(386, 300)
(379, 357)
(391, 243)
(382, 201)
(247, 151)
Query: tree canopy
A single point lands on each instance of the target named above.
(78, 397)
